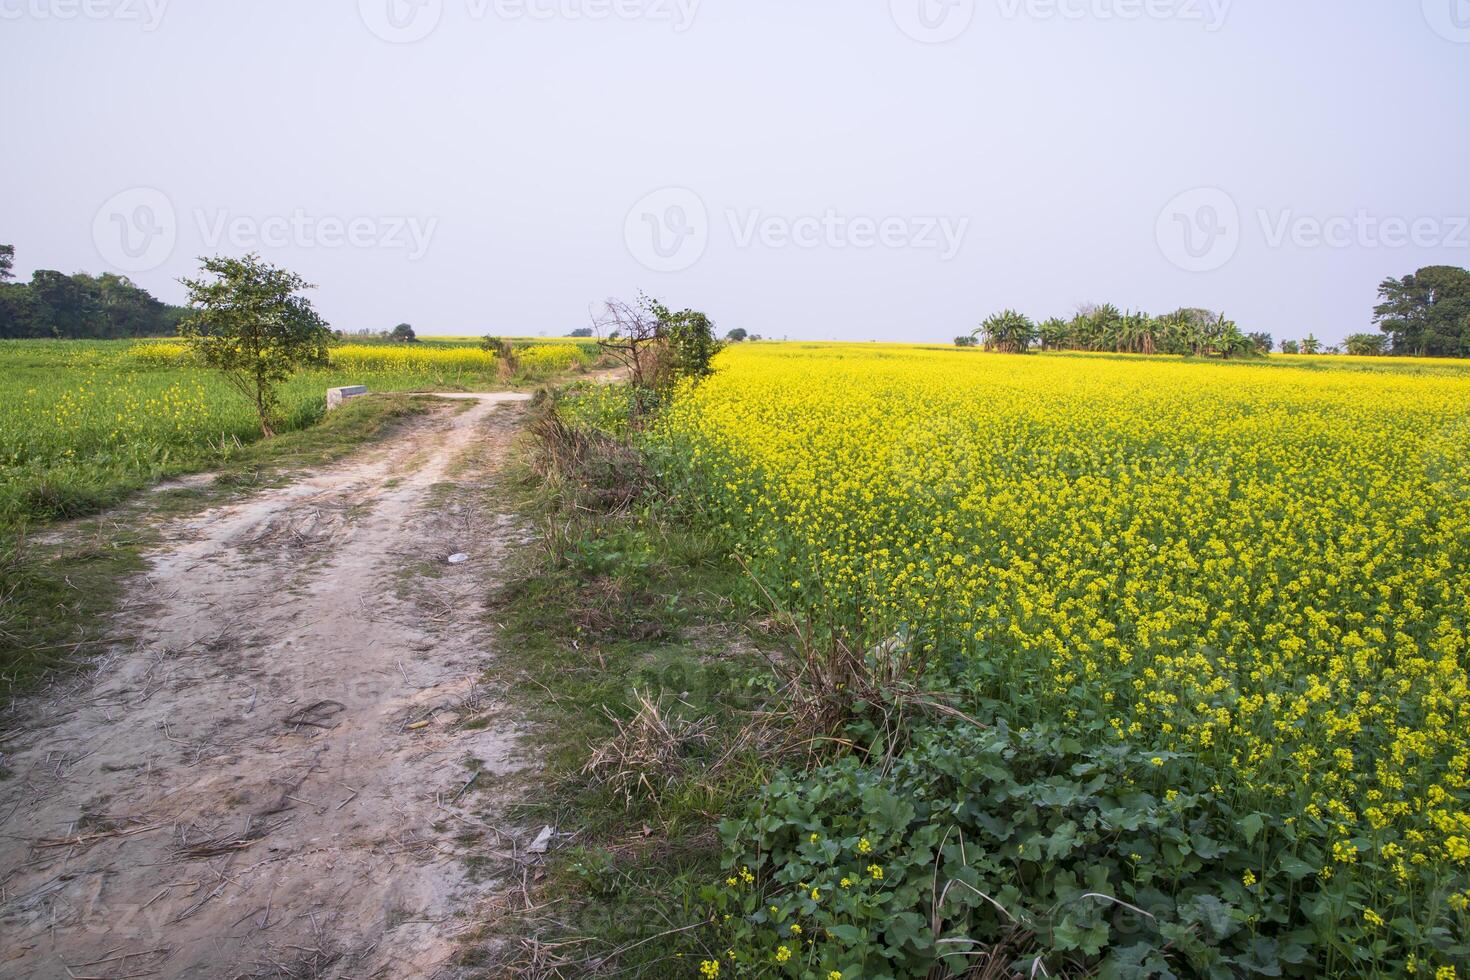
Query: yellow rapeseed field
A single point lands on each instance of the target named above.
(397, 358)
(1260, 568)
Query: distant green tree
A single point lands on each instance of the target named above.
(1311, 345)
(1054, 333)
(1366, 344)
(128, 310)
(582, 332)
(1104, 326)
(656, 346)
(736, 336)
(966, 341)
(54, 304)
(249, 323)
(1008, 332)
(1427, 314)
(65, 306)
(1228, 341)
(1262, 341)
(1291, 347)
(690, 339)
(17, 312)
(403, 334)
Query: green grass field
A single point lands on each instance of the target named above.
(87, 422)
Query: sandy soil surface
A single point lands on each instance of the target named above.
(271, 782)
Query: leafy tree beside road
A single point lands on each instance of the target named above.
(249, 323)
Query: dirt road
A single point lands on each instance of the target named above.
(271, 781)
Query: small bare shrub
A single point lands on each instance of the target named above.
(649, 752)
(597, 471)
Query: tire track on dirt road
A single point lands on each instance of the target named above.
(271, 780)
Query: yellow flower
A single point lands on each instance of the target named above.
(710, 968)
(875, 871)
(1372, 918)
(795, 929)
(865, 846)
(1249, 878)
(783, 953)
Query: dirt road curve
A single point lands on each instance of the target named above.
(268, 783)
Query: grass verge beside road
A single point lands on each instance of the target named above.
(636, 648)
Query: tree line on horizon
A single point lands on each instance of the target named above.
(1426, 314)
(1189, 331)
(79, 306)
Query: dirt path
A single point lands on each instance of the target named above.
(269, 782)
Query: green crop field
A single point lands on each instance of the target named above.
(85, 422)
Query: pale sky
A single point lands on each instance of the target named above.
(852, 169)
